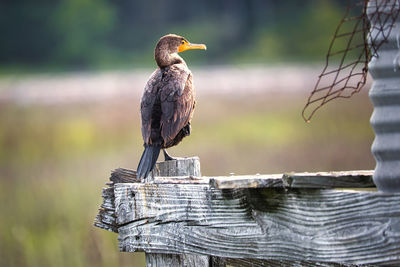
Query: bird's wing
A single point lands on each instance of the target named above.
(147, 103)
(177, 101)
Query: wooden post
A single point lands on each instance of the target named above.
(172, 168)
(182, 167)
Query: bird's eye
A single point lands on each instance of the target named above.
(183, 42)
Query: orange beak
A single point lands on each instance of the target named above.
(186, 46)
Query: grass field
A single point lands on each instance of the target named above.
(55, 159)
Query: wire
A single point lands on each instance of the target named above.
(346, 69)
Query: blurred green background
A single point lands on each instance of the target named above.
(64, 35)
(71, 75)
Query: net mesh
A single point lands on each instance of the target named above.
(353, 45)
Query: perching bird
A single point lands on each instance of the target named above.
(167, 103)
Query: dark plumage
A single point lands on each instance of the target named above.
(167, 103)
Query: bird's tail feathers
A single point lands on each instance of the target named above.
(148, 160)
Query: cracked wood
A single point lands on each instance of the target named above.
(277, 226)
(338, 226)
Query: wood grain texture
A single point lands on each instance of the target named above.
(280, 263)
(345, 179)
(260, 220)
(184, 260)
(342, 179)
(173, 172)
(247, 181)
(189, 167)
(122, 175)
(325, 226)
(178, 168)
(106, 218)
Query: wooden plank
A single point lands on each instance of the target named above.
(322, 226)
(247, 181)
(106, 218)
(342, 179)
(346, 179)
(181, 180)
(187, 260)
(122, 175)
(281, 263)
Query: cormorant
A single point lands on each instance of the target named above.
(167, 103)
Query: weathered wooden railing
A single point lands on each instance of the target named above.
(180, 218)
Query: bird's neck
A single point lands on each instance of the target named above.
(164, 59)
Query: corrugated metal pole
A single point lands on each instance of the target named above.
(385, 95)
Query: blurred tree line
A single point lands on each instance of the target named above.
(92, 34)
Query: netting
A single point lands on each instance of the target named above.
(354, 43)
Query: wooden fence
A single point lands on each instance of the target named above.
(180, 218)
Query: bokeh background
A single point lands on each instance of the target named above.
(71, 77)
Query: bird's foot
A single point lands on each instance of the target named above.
(168, 157)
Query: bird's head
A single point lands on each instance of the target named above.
(168, 47)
